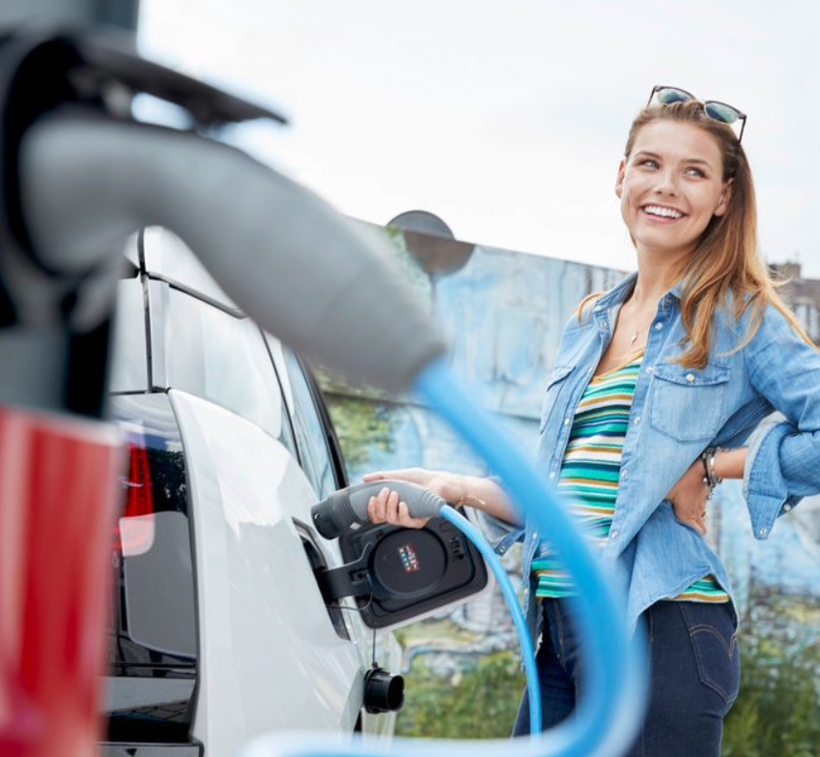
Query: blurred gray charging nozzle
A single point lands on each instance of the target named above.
(346, 510)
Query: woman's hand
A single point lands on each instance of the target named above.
(690, 496)
(386, 507)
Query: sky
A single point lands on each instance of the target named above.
(507, 119)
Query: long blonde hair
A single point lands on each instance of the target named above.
(725, 261)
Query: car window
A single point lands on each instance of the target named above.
(311, 435)
(222, 358)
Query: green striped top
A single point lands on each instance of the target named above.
(589, 475)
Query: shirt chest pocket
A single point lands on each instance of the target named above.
(557, 382)
(688, 403)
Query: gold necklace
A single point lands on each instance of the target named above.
(636, 333)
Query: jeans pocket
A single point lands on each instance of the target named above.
(713, 634)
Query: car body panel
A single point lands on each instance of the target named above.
(269, 656)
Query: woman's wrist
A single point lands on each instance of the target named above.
(730, 463)
(464, 494)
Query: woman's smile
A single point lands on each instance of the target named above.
(662, 213)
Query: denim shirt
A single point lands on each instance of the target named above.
(676, 413)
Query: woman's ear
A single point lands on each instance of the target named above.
(725, 197)
(619, 182)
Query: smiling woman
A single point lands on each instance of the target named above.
(658, 395)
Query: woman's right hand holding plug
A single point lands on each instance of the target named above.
(454, 488)
(386, 507)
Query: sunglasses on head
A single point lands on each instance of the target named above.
(716, 110)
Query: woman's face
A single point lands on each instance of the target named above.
(670, 186)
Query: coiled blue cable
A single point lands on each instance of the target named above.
(527, 652)
(611, 707)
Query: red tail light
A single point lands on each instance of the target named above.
(134, 533)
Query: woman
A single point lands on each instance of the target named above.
(658, 393)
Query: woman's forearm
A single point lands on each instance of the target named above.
(484, 494)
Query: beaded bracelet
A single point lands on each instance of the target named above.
(710, 478)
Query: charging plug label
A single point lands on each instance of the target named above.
(409, 558)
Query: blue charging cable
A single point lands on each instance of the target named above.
(608, 714)
(507, 591)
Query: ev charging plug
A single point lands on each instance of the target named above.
(345, 511)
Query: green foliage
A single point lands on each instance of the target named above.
(778, 711)
(776, 715)
(359, 425)
(479, 702)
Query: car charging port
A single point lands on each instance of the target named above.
(319, 568)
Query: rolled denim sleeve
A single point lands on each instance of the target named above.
(783, 459)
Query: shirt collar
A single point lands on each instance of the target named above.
(621, 291)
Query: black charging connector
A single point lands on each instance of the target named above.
(396, 574)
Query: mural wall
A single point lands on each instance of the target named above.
(504, 312)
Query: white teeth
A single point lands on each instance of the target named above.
(656, 210)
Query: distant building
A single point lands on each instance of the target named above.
(802, 296)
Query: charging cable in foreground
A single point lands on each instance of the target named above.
(346, 510)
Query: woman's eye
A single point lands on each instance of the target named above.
(695, 172)
(649, 162)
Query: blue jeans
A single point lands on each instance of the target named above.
(694, 676)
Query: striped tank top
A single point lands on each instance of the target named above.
(589, 475)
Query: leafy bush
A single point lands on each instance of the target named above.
(776, 715)
(778, 711)
(479, 702)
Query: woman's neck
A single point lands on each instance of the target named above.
(656, 273)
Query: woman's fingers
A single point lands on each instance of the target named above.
(375, 476)
(385, 507)
(391, 509)
(700, 520)
(377, 506)
(418, 476)
(408, 522)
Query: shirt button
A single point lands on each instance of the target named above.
(650, 369)
(597, 308)
(637, 420)
(690, 376)
(534, 537)
(552, 474)
(787, 507)
(625, 473)
(566, 421)
(658, 326)
(762, 531)
(613, 533)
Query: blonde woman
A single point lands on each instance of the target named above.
(657, 395)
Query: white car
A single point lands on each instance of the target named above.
(220, 631)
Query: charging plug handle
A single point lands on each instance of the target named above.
(346, 510)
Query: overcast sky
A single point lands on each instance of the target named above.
(508, 118)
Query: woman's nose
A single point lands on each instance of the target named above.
(666, 183)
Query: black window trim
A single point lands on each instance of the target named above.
(332, 441)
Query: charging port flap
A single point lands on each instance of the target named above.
(398, 574)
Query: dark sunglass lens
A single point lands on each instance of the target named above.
(721, 112)
(669, 95)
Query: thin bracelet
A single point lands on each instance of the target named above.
(712, 459)
(468, 498)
